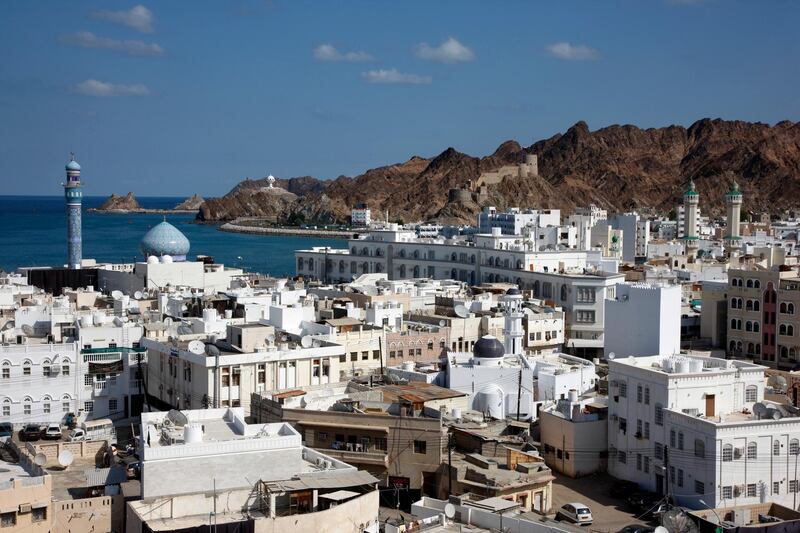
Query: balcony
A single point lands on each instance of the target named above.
(357, 454)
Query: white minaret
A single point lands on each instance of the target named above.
(733, 235)
(513, 332)
(691, 200)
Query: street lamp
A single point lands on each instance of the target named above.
(719, 520)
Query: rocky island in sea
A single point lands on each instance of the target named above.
(128, 204)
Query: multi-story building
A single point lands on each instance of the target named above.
(763, 316)
(210, 463)
(636, 235)
(513, 221)
(360, 216)
(577, 281)
(643, 320)
(574, 434)
(699, 428)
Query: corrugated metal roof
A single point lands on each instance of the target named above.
(100, 477)
(339, 495)
(326, 480)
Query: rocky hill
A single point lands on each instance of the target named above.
(190, 204)
(125, 203)
(617, 167)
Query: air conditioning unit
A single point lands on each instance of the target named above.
(24, 508)
(737, 453)
(737, 491)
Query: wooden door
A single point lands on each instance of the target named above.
(710, 405)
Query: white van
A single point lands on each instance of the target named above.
(101, 429)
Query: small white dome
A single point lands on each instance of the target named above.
(152, 260)
(166, 259)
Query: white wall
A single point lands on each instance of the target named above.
(643, 320)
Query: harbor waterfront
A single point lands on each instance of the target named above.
(34, 236)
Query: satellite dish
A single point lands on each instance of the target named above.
(177, 418)
(660, 529)
(316, 343)
(442, 323)
(65, 458)
(759, 409)
(183, 329)
(611, 356)
(27, 329)
(196, 347)
(450, 511)
(774, 414)
(306, 342)
(116, 294)
(212, 350)
(40, 459)
(138, 295)
(461, 311)
(271, 338)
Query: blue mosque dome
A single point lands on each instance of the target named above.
(73, 165)
(165, 239)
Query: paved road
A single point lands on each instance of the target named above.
(610, 514)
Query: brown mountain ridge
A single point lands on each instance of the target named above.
(619, 167)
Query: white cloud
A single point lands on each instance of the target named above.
(571, 52)
(328, 52)
(138, 17)
(450, 51)
(92, 87)
(87, 39)
(393, 76)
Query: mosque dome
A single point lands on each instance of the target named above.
(488, 347)
(73, 165)
(513, 291)
(165, 239)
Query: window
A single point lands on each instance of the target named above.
(638, 461)
(751, 394)
(237, 374)
(752, 450)
(46, 408)
(622, 457)
(646, 465)
(343, 358)
(262, 373)
(639, 393)
(794, 447)
(699, 448)
(680, 477)
(647, 395)
(647, 430)
(380, 443)
(26, 368)
(421, 447)
(776, 487)
(584, 316)
(322, 435)
(65, 406)
(8, 519)
(727, 453)
(623, 389)
(88, 379)
(672, 438)
(365, 356)
(226, 377)
(6, 371)
(353, 356)
(39, 515)
(751, 490)
(623, 425)
(112, 405)
(639, 428)
(46, 369)
(660, 451)
(585, 295)
(659, 414)
(680, 440)
(792, 485)
(727, 492)
(88, 406)
(6, 407)
(776, 447)
(699, 487)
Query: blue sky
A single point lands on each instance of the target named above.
(178, 97)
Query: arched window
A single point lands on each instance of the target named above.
(453, 257)
(756, 284)
(27, 403)
(365, 267)
(353, 250)
(790, 330)
(727, 452)
(739, 344)
(491, 261)
(784, 352)
(26, 367)
(699, 448)
(756, 327)
(416, 271)
(752, 450)
(776, 447)
(749, 305)
(733, 323)
(758, 349)
(472, 259)
(794, 447)
(782, 329)
(732, 346)
(751, 348)
(6, 407)
(46, 404)
(792, 353)
(416, 254)
(749, 283)
(790, 308)
(783, 307)
(733, 303)
(756, 305)
(751, 394)
(748, 326)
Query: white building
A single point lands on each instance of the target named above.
(574, 434)
(578, 281)
(584, 219)
(512, 221)
(361, 216)
(211, 463)
(643, 320)
(636, 235)
(724, 445)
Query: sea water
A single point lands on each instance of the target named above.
(34, 233)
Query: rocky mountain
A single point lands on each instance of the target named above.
(190, 204)
(116, 202)
(620, 167)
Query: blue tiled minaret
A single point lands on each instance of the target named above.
(73, 197)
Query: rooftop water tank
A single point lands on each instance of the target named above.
(572, 395)
(408, 366)
(682, 366)
(192, 433)
(696, 365)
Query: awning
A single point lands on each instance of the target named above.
(39, 505)
(9, 509)
(105, 368)
(325, 480)
(343, 426)
(339, 495)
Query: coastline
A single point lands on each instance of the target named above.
(232, 227)
(143, 211)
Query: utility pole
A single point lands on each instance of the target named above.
(519, 390)
(450, 446)
(794, 502)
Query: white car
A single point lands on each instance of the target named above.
(53, 432)
(575, 512)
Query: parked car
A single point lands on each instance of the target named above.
(575, 512)
(642, 501)
(6, 431)
(76, 435)
(31, 432)
(637, 528)
(53, 432)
